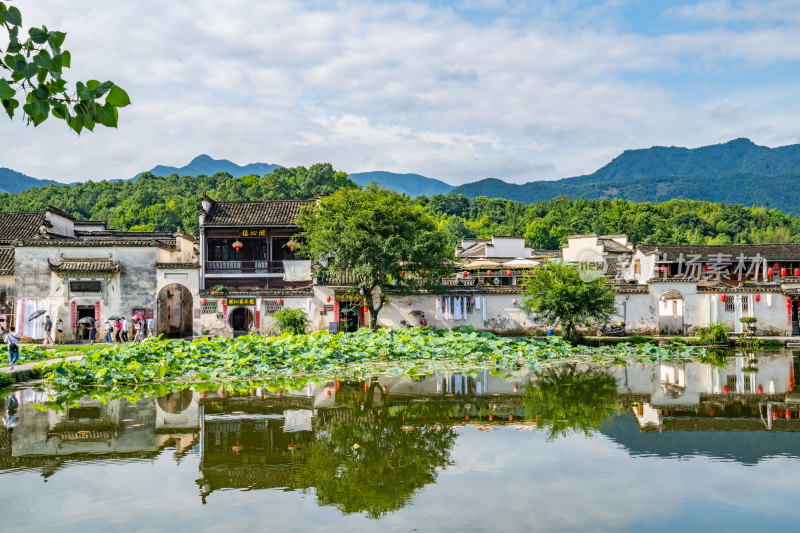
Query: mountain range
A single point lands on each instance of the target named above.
(738, 171)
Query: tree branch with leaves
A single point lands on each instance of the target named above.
(32, 70)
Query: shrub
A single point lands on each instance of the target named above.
(293, 321)
(713, 334)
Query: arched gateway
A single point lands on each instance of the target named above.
(174, 311)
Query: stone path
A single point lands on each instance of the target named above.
(21, 372)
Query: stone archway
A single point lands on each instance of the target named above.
(175, 304)
(670, 315)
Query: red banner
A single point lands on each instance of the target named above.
(789, 308)
(258, 316)
(73, 313)
(97, 311)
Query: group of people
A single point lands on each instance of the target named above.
(118, 331)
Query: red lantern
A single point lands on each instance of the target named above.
(488, 272)
(663, 268)
(466, 417)
(491, 417)
(708, 267)
(223, 301)
(758, 297)
(724, 297)
(788, 415)
(711, 412)
(237, 245)
(783, 272)
(280, 301)
(760, 389)
(725, 390)
(328, 299)
(511, 417)
(774, 415)
(408, 301)
(422, 274)
(508, 273)
(203, 301)
(770, 272)
(797, 272)
(402, 272)
(788, 300)
(465, 273)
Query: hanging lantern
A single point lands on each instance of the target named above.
(725, 390)
(408, 301)
(788, 415)
(511, 417)
(770, 272)
(402, 272)
(223, 301)
(328, 299)
(422, 274)
(491, 417)
(774, 415)
(203, 301)
(508, 273)
(663, 268)
(797, 272)
(237, 447)
(488, 272)
(760, 389)
(788, 300)
(711, 411)
(708, 267)
(237, 245)
(465, 273)
(783, 272)
(292, 446)
(758, 297)
(724, 297)
(280, 301)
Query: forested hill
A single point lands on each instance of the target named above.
(204, 165)
(164, 203)
(738, 171)
(13, 181)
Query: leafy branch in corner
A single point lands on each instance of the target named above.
(32, 70)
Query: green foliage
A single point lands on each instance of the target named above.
(568, 400)
(374, 469)
(713, 334)
(294, 321)
(33, 69)
(555, 294)
(370, 237)
(409, 352)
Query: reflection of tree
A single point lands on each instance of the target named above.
(572, 400)
(379, 475)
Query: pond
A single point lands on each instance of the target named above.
(655, 447)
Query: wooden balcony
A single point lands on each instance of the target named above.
(244, 267)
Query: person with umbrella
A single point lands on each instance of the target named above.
(48, 330)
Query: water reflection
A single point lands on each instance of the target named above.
(368, 446)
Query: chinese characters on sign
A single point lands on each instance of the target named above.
(252, 233)
(84, 286)
(695, 267)
(241, 301)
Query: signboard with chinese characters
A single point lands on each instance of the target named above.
(241, 301)
(327, 308)
(252, 233)
(84, 286)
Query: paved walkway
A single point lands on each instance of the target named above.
(22, 372)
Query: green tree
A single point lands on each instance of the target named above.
(569, 400)
(33, 69)
(373, 237)
(374, 468)
(556, 294)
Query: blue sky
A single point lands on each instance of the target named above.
(452, 90)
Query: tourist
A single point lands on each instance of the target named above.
(118, 331)
(48, 330)
(151, 327)
(145, 331)
(11, 338)
(137, 328)
(124, 329)
(109, 331)
(60, 331)
(92, 332)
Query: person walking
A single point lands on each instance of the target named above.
(48, 330)
(12, 339)
(151, 327)
(60, 331)
(137, 328)
(109, 331)
(92, 332)
(118, 332)
(124, 330)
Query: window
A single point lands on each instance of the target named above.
(747, 382)
(209, 308)
(223, 250)
(730, 306)
(270, 306)
(745, 305)
(280, 249)
(732, 383)
(637, 267)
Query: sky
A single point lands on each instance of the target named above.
(457, 91)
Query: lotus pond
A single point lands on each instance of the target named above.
(677, 443)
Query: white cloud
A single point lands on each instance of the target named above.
(393, 86)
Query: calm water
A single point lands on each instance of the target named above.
(645, 447)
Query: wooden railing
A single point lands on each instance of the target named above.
(244, 267)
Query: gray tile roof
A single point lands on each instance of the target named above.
(269, 213)
(16, 226)
(85, 265)
(6, 261)
(770, 252)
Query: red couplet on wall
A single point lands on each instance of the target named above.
(97, 311)
(73, 314)
(225, 310)
(258, 319)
